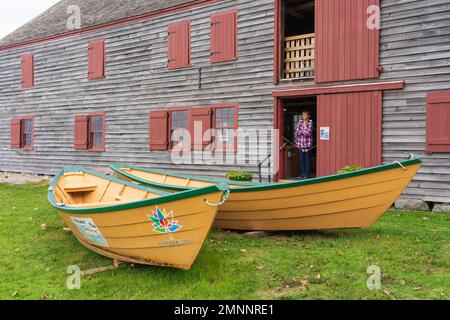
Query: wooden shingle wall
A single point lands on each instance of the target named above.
(137, 82)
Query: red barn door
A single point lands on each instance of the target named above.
(354, 124)
(347, 40)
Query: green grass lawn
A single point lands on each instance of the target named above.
(411, 249)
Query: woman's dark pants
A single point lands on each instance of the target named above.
(304, 163)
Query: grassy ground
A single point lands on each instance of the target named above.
(411, 249)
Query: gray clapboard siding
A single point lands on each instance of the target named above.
(415, 47)
(137, 81)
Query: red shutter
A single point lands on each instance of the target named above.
(224, 36)
(27, 70)
(346, 49)
(81, 132)
(200, 118)
(179, 45)
(438, 122)
(159, 130)
(354, 123)
(15, 133)
(96, 59)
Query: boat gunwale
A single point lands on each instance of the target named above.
(164, 197)
(117, 168)
(260, 186)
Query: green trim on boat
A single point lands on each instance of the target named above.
(261, 186)
(117, 169)
(164, 198)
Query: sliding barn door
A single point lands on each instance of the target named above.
(347, 40)
(349, 131)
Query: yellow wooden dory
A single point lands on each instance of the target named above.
(132, 223)
(349, 200)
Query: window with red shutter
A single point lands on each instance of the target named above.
(224, 36)
(438, 122)
(200, 128)
(159, 130)
(347, 45)
(90, 132)
(179, 45)
(22, 131)
(81, 132)
(96, 59)
(27, 70)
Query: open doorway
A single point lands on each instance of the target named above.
(298, 32)
(298, 17)
(292, 115)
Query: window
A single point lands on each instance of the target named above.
(179, 119)
(224, 37)
(438, 122)
(90, 132)
(96, 59)
(179, 45)
(22, 130)
(27, 70)
(225, 125)
(223, 119)
(96, 131)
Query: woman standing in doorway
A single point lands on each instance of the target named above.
(304, 140)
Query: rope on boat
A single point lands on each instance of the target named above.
(404, 168)
(225, 197)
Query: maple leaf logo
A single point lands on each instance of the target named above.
(164, 222)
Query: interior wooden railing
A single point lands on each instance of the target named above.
(299, 56)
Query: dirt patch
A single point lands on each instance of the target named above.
(22, 178)
(287, 287)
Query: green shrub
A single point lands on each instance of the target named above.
(350, 169)
(239, 176)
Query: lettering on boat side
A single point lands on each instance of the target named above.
(90, 231)
(175, 243)
(164, 222)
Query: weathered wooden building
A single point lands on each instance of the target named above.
(114, 89)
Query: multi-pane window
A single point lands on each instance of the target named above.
(90, 132)
(210, 128)
(96, 131)
(27, 133)
(179, 120)
(22, 133)
(225, 125)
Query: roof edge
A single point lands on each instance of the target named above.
(112, 24)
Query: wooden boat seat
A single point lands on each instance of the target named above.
(122, 198)
(75, 188)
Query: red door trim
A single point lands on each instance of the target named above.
(316, 90)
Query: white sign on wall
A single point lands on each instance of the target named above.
(325, 133)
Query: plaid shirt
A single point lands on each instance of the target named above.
(304, 135)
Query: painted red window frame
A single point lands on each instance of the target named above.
(171, 56)
(22, 133)
(214, 60)
(235, 108)
(437, 144)
(170, 127)
(102, 148)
